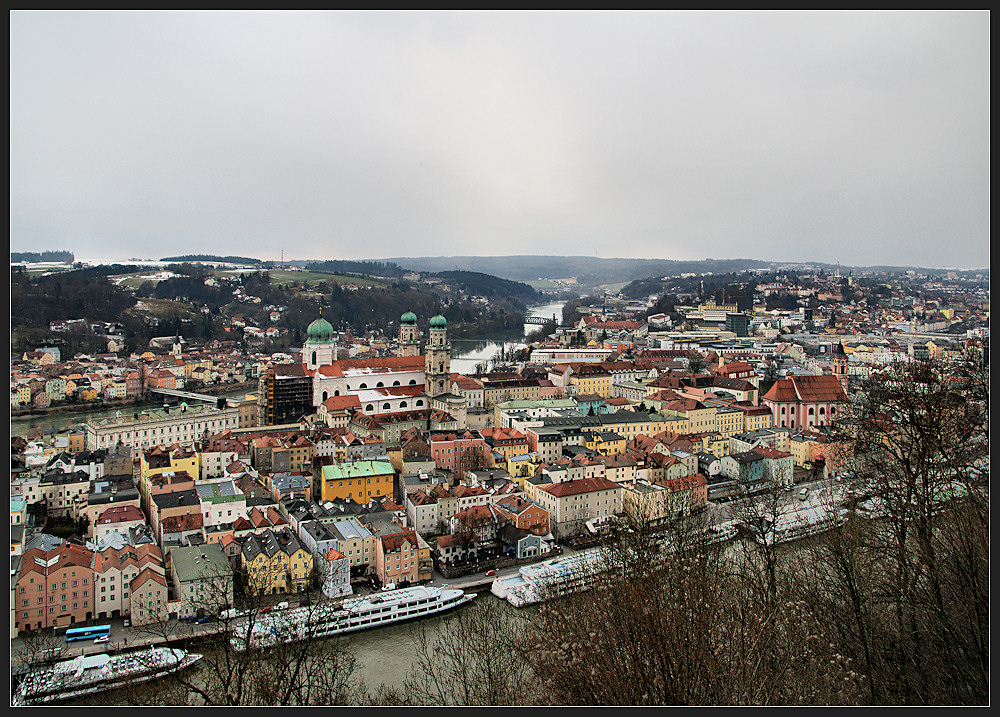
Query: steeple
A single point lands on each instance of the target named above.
(437, 363)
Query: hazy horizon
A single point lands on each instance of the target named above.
(807, 136)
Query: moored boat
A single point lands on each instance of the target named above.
(352, 614)
(89, 674)
(556, 576)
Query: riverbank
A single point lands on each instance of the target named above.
(118, 403)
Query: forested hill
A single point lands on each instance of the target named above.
(17, 257)
(587, 269)
(479, 284)
(212, 257)
(346, 266)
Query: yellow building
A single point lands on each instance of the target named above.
(605, 443)
(275, 563)
(716, 444)
(602, 384)
(172, 459)
(757, 418)
(507, 442)
(676, 424)
(77, 442)
(629, 424)
(360, 481)
(729, 421)
(522, 466)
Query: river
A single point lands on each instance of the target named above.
(466, 353)
(385, 656)
(20, 425)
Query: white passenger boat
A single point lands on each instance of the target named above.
(360, 613)
(556, 576)
(501, 587)
(89, 674)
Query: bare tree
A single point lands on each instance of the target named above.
(915, 579)
(289, 671)
(476, 660)
(681, 623)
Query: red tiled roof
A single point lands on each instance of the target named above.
(807, 389)
(392, 543)
(579, 486)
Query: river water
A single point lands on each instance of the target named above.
(385, 655)
(20, 425)
(466, 353)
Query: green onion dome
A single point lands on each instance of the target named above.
(320, 331)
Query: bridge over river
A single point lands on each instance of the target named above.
(188, 396)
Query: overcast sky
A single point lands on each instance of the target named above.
(859, 138)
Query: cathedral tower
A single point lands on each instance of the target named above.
(409, 339)
(437, 362)
(319, 348)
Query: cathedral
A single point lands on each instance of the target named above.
(397, 384)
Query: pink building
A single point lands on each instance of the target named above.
(397, 558)
(805, 401)
(54, 587)
(459, 451)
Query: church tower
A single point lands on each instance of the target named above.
(319, 348)
(839, 364)
(409, 340)
(437, 362)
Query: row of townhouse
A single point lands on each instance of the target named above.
(59, 584)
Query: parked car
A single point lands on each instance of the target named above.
(266, 608)
(490, 573)
(388, 586)
(102, 638)
(202, 620)
(126, 623)
(803, 493)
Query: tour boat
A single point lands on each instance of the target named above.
(556, 576)
(88, 674)
(349, 615)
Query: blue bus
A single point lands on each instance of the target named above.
(87, 633)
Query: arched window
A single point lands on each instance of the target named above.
(325, 395)
(420, 402)
(364, 385)
(811, 411)
(413, 382)
(395, 383)
(385, 406)
(402, 404)
(379, 385)
(314, 358)
(369, 407)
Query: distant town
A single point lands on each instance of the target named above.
(339, 458)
